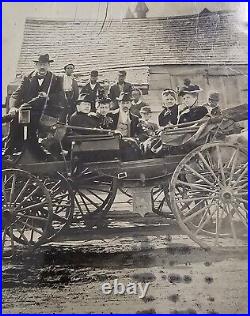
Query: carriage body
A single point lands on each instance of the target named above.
(196, 177)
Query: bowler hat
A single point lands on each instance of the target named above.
(84, 98)
(214, 96)
(122, 73)
(105, 101)
(189, 88)
(44, 59)
(69, 64)
(146, 110)
(124, 97)
(94, 73)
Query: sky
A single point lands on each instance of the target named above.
(14, 15)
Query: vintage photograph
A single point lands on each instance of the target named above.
(125, 158)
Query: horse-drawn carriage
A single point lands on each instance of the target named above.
(197, 177)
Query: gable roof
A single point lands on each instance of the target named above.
(135, 43)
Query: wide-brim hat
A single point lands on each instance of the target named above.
(146, 110)
(124, 97)
(43, 59)
(214, 96)
(84, 98)
(189, 88)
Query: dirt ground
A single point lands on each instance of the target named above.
(67, 278)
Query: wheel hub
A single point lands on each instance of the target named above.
(227, 195)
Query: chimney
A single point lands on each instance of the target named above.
(129, 14)
(141, 10)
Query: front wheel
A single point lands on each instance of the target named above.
(27, 210)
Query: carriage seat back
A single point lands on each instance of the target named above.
(95, 147)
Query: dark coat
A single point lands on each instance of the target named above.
(146, 130)
(28, 92)
(92, 93)
(169, 115)
(83, 120)
(72, 96)
(115, 92)
(105, 122)
(194, 114)
(134, 122)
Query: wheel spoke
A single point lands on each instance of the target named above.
(209, 168)
(235, 156)
(22, 191)
(93, 193)
(31, 227)
(198, 212)
(199, 175)
(220, 164)
(206, 221)
(195, 186)
(241, 176)
(12, 191)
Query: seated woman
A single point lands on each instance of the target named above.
(192, 111)
(169, 115)
(81, 117)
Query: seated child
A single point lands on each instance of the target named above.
(103, 120)
(146, 128)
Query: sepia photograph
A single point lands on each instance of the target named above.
(124, 157)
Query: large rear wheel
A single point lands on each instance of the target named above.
(209, 195)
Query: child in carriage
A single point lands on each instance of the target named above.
(104, 121)
(146, 128)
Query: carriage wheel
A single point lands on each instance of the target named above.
(27, 210)
(93, 196)
(62, 197)
(208, 194)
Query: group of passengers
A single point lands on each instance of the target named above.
(119, 107)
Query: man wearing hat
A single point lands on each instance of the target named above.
(41, 91)
(213, 104)
(82, 117)
(92, 89)
(118, 88)
(70, 88)
(124, 120)
(146, 128)
(192, 111)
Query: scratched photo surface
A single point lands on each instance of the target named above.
(124, 149)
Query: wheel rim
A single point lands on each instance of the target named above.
(27, 210)
(208, 194)
(93, 195)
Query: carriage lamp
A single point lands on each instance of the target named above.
(24, 116)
